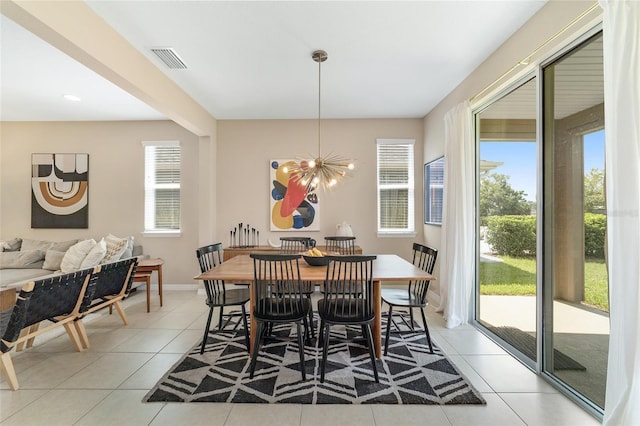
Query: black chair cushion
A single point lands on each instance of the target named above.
(401, 298)
(286, 309)
(231, 297)
(344, 310)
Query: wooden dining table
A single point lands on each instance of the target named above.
(386, 268)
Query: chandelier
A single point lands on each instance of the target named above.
(321, 171)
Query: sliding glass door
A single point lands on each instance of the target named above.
(542, 284)
(506, 131)
(576, 311)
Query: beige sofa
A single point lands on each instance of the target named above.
(24, 259)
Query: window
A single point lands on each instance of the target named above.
(162, 187)
(395, 186)
(433, 191)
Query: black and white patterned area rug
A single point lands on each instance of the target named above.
(409, 374)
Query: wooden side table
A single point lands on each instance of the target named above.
(143, 275)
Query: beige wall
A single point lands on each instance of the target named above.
(550, 20)
(116, 184)
(244, 151)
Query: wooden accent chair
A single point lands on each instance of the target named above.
(112, 285)
(57, 299)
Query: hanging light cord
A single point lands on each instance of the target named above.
(319, 95)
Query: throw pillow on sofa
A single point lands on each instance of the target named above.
(75, 255)
(96, 254)
(30, 259)
(128, 252)
(115, 248)
(12, 245)
(29, 244)
(53, 259)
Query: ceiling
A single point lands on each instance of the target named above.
(578, 84)
(252, 60)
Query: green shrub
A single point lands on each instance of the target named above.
(512, 235)
(595, 226)
(516, 235)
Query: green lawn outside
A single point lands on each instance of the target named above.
(517, 276)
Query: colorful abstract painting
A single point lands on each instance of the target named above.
(60, 190)
(292, 208)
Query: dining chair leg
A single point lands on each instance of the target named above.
(220, 318)
(256, 348)
(307, 338)
(313, 331)
(246, 328)
(411, 317)
(325, 351)
(386, 340)
(426, 329)
(301, 350)
(321, 334)
(372, 355)
(206, 330)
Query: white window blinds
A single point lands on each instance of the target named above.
(395, 186)
(162, 186)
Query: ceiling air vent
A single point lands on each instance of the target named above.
(169, 57)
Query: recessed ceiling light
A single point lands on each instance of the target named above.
(72, 98)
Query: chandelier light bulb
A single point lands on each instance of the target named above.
(285, 169)
(351, 166)
(312, 164)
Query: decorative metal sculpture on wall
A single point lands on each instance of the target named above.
(60, 190)
(294, 206)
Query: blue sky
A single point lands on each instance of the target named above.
(520, 160)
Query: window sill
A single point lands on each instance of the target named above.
(397, 234)
(167, 234)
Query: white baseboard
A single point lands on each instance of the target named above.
(433, 298)
(179, 287)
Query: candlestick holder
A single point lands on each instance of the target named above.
(244, 236)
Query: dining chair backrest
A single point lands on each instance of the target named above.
(424, 257)
(348, 293)
(277, 287)
(209, 257)
(296, 245)
(341, 245)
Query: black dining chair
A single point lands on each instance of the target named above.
(297, 245)
(341, 245)
(341, 305)
(414, 296)
(277, 292)
(218, 296)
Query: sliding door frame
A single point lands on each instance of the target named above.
(544, 227)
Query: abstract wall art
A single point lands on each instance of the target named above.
(60, 190)
(292, 207)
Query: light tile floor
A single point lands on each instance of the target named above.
(105, 384)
